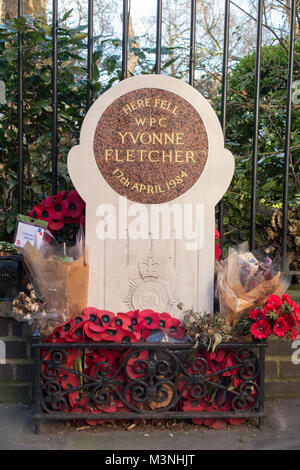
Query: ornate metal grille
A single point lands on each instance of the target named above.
(104, 381)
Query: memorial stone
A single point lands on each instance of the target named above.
(151, 166)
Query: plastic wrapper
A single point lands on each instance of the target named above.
(244, 282)
(60, 275)
(164, 336)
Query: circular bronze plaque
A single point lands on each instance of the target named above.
(151, 145)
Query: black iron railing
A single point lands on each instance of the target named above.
(125, 47)
(147, 381)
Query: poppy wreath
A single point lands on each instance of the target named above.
(279, 316)
(61, 209)
(216, 398)
(102, 325)
(95, 325)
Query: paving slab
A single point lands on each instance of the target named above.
(281, 430)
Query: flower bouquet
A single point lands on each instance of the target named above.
(61, 209)
(60, 276)
(278, 316)
(243, 282)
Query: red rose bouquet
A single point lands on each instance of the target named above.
(279, 316)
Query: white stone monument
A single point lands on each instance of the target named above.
(151, 166)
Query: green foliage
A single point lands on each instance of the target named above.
(37, 107)
(239, 139)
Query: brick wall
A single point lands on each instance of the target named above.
(16, 375)
(282, 376)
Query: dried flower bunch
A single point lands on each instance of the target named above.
(26, 306)
(29, 307)
(210, 329)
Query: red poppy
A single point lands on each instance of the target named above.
(93, 331)
(280, 327)
(106, 317)
(35, 213)
(129, 337)
(133, 315)
(92, 314)
(40, 212)
(61, 333)
(230, 361)
(163, 318)
(218, 252)
(83, 402)
(125, 335)
(275, 300)
(217, 356)
(148, 319)
(55, 225)
(113, 334)
(90, 310)
(58, 210)
(122, 320)
(257, 315)
(172, 322)
(260, 329)
(286, 298)
(216, 360)
(102, 355)
(49, 201)
(75, 204)
(176, 332)
(292, 334)
(292, 327)
(290, 321)
(76, 334)
(69, 381)
(136, 365)
(136, 334)
(296, 313)
(63, 194)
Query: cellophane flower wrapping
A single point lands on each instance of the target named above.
(244, 282)
(60, 275)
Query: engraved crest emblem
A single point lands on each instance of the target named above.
(148, 292)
